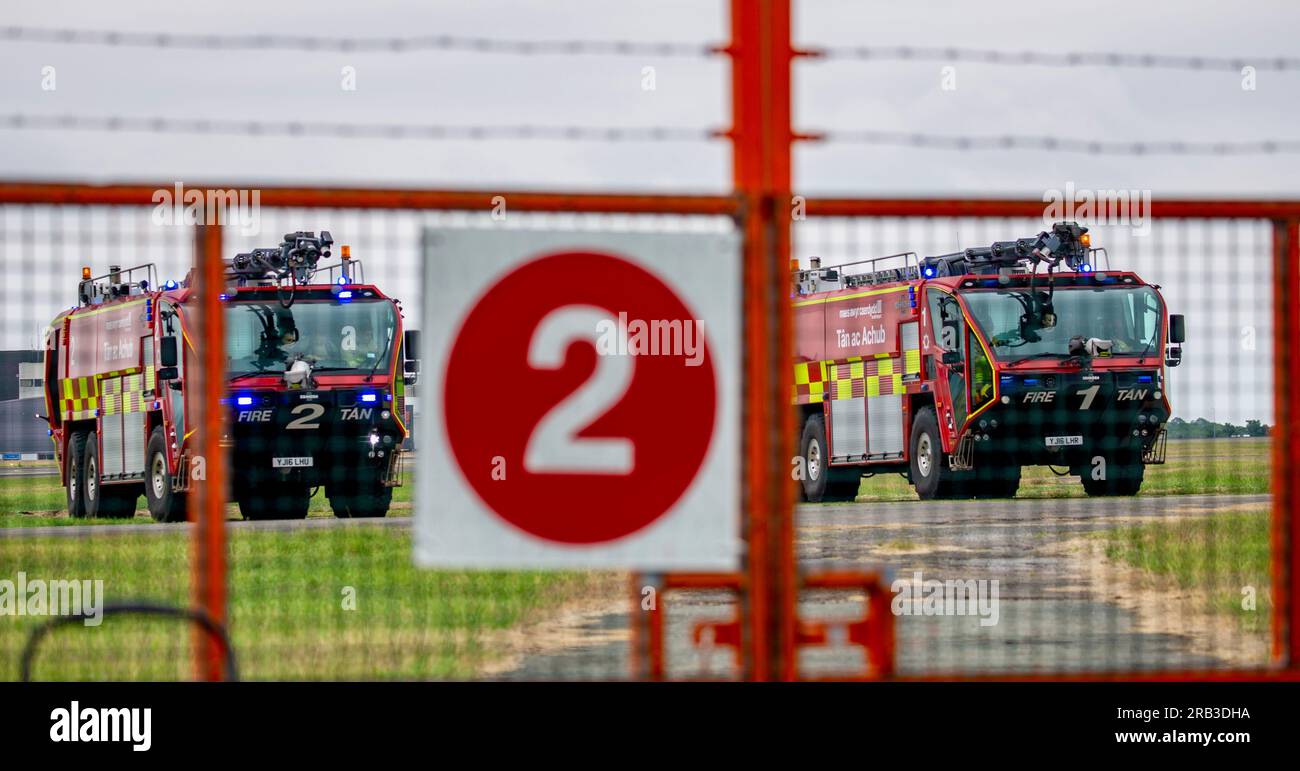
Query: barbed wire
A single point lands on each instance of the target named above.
(356, 130)
(1053, 59)
(1062, 144)
(335, 130)
(477, 44)
(298, 42)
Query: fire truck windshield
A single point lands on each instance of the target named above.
(1127, 316)
(266, 337)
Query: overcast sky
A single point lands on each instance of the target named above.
(469, 88)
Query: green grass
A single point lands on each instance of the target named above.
(1213, 557)
(1193, 466)
(286, 607)
(39, 501)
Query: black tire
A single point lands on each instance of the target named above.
(276, 500)
(1124, 474)
(822, 484)
(930, 475)
(164, 503)
(366, 497)
(101, 500)
(76, 475)
(996, 476)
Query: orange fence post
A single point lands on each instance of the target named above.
(1286, 448)
(761, 137)
(209, 565)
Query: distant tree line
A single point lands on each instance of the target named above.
(1207, 429)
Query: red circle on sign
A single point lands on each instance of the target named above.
(495, 399)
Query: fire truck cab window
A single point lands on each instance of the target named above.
(266, 337)
(981, 375)
(1128, 317)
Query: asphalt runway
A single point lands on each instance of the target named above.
(34, 472)
(1054, 615)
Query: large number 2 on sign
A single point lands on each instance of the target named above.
(554, 446)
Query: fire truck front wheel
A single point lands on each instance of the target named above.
(1121, 474)
(364, 497)
(165, 504)
(263, 498)
(76, 475)
(930, 476)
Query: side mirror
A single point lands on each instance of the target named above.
(168, 354)
(411, 366)
(951, 357)
(410, 379)
(411, 344)
(169, 373)
(1173, 356)
(1177, 328)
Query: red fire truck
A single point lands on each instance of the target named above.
(957, 370)
(316, 393)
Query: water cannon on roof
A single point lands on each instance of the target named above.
(286, 266)
(295, 258)
(1066, 242)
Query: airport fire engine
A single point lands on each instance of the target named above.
(959, 369)
(316, 393)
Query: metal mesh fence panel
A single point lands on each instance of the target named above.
(317, 589)
(1176, 578)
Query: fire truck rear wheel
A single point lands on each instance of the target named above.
(821, 483)
(930, 475)
(165, 504)
(103, 500)
(76, 475)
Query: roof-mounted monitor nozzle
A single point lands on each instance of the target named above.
(1066, 242)
(291, 263)
(296, 257)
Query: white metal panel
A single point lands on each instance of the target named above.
(455, 526)
(885, 424)
(133, 442)
(110, 445)
(848, 427)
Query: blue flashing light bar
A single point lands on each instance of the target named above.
(244, 401)
(369, 398)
